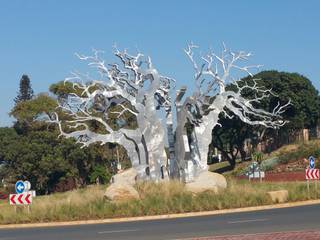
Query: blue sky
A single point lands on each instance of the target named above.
(39, 38)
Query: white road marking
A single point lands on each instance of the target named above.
(248, 221)
(119, 231)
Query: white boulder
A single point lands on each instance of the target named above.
(126, 177)
(121, 192)
(122, 186)
(207, 181)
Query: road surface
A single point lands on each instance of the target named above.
(306, 218)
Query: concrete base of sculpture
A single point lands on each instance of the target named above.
(207, 181)
(122, 186)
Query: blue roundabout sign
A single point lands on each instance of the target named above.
(20, 187)
(312, 162)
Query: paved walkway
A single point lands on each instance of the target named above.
(303, 235)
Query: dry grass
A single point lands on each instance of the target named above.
(284, 149)
(162, 198)
(292, 147)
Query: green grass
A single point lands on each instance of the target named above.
(163, 198)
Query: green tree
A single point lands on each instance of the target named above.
(26, 112)
(100, 173)
(36, 157)
(230, 138)
(304, 112)
(32, 150)
(25, 90)
(29, 110)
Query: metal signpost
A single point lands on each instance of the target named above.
(312, 174)
(23, 196)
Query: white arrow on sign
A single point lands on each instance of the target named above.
(20, 187)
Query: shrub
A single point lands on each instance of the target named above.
(303, 151)
(101, 173)
(269, 164)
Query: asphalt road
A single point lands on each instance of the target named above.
(276, 220)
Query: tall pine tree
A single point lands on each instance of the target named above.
(25, 91)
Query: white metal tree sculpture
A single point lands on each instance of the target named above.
(210, 98)
(136, 87)
(140, 85)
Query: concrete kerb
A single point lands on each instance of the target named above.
(160, 217)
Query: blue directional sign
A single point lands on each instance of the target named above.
(19, 187)
(312, 162)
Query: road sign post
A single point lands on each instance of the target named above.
(23, 196)
(312, 174)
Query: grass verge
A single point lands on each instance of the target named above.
(163, 198)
